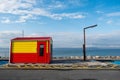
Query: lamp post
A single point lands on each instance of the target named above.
(84, 44)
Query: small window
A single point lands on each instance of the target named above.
(41, 49)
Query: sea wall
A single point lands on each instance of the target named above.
(79, 57)
(89, 57)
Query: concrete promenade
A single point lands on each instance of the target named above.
(59, 74)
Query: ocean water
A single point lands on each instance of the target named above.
(57, 52)
(3, 62)
(63, 52)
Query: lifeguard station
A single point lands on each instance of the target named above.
(31, 50)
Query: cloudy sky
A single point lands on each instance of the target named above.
(63, 20)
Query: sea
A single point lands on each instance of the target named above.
(89, 52)
(66, 52)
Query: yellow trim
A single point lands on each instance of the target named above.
(46, 46)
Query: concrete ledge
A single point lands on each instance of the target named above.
(59, 67)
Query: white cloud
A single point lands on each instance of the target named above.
(10, 6)
(16, 7)
(6, 36)
(69, 39)
(113, 14)
(62, 39)
(39, 11)
(109, 22)
(59, 5)
(3, 33)
(99, 12)
(33, 35)
(73, 15)
(42, 12)
(22, 8)
(30, 1)
(111, 39)
(5, 21)
(67, 15)
(24, 18)
(55, 5)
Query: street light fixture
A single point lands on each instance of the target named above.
(84, 45)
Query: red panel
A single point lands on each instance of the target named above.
(41, 59)
(24, 58)
(46, 57)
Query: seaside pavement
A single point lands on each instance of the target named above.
(59, 74)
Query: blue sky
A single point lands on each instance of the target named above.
(63, 20)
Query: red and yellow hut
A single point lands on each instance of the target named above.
(31, 50)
